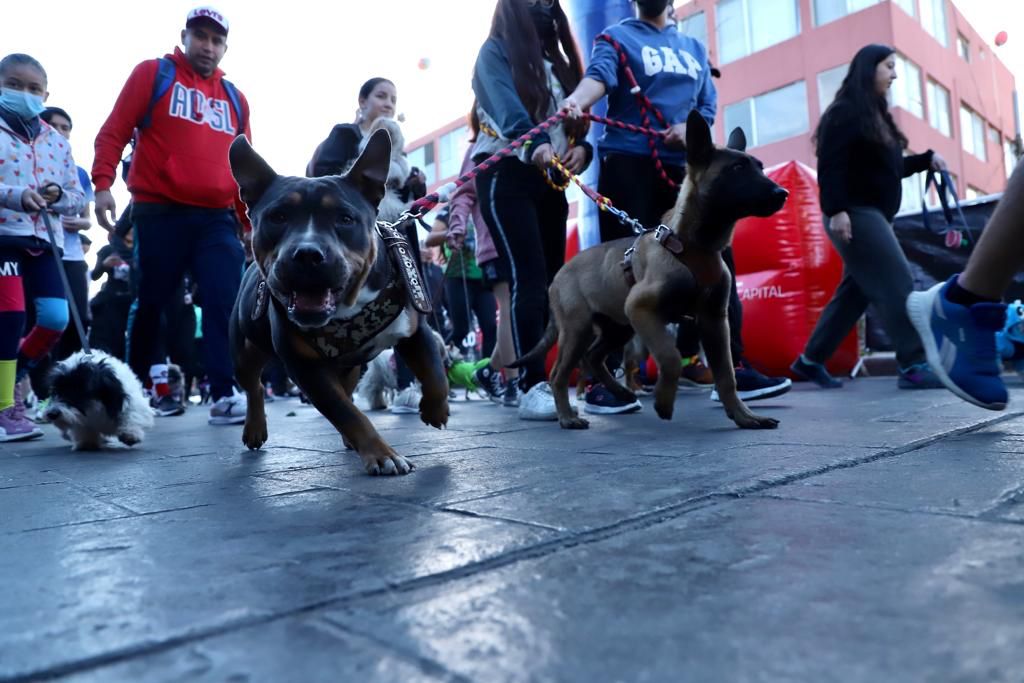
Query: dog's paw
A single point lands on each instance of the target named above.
(386, 464)
(747, 420)
(574, 422)
(434, 411)
(254, 434)
(129, 438)
(664, 409)
(752, 421)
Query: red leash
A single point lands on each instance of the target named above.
(646, 108)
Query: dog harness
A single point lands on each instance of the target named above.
(707, 274)
(342, 337)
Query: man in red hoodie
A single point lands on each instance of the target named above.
(183, 115)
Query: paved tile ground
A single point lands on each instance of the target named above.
(877, 535)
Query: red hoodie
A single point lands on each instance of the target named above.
(182, 156)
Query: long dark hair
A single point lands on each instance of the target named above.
(514, 27)
(858, 93)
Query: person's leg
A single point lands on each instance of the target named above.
(957, 320)
(751, 385)
(216, 262)
(162, 244)
(509, 202)
(458, 310)
(14, 425)
(485, 309)
(999, 254)
(44, 291)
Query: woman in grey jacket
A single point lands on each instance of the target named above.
(527, 66)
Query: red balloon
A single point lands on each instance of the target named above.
(1001, 38)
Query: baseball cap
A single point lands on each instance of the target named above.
(209, 13)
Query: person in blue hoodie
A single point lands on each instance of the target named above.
(674, 74)
(523, 71)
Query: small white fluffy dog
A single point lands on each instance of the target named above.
(379, 384)
(392, 206)
(94, 397)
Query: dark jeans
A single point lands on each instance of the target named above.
(466, 298)
(875, 271)
(170, 240)
(634, 185)
(527, 220)
(110, 319)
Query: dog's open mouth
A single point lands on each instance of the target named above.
(306, 302)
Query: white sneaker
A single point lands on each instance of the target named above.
(538, 404)
(229, 410)
(407, 402)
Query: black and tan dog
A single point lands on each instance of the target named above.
(327, 292)
(600, 297)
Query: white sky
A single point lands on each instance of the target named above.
(301, 63)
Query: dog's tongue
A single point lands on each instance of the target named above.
(305, 301)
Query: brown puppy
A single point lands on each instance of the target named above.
(678, 271)
(327, 292)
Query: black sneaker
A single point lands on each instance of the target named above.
(510, 399)
(489, 379)
(169, 406)
(814, 372)
(600, 401)
(751, 385)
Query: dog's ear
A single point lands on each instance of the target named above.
(251, 172)
(106, 388)
(370, 172)
(699, 146)
(737, 140)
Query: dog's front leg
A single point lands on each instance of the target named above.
(327, 391)
(714, 334)
(421, 354)
(642, 311)
(249, 361)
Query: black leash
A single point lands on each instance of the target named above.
(64, 279)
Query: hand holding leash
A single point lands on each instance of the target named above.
(841, 227)
(106, 209)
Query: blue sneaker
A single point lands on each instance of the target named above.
(600, 401)
(960, 343)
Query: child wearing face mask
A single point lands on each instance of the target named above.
(38, 174)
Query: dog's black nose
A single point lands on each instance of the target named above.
(51, 414)
(780, 193)
(308, 255)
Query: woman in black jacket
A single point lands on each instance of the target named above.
(860, 169)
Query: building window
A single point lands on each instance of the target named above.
(695, 26)
(963, 48)
(906, 90)
(907, 6)
(994, 136)
(972, 133)
(746, 26)
(423, 159)
(451, 149)
(770, 117)
(939, 114)
(973, 193)
(1009, 156)
(913, 186)
(933, 18)
(830, 10)
(828, 85)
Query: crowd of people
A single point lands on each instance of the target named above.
(173, 259)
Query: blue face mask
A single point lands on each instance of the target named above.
(25, 105)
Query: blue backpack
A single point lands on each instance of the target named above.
(165, 79)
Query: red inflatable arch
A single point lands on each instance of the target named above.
(786, 272)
